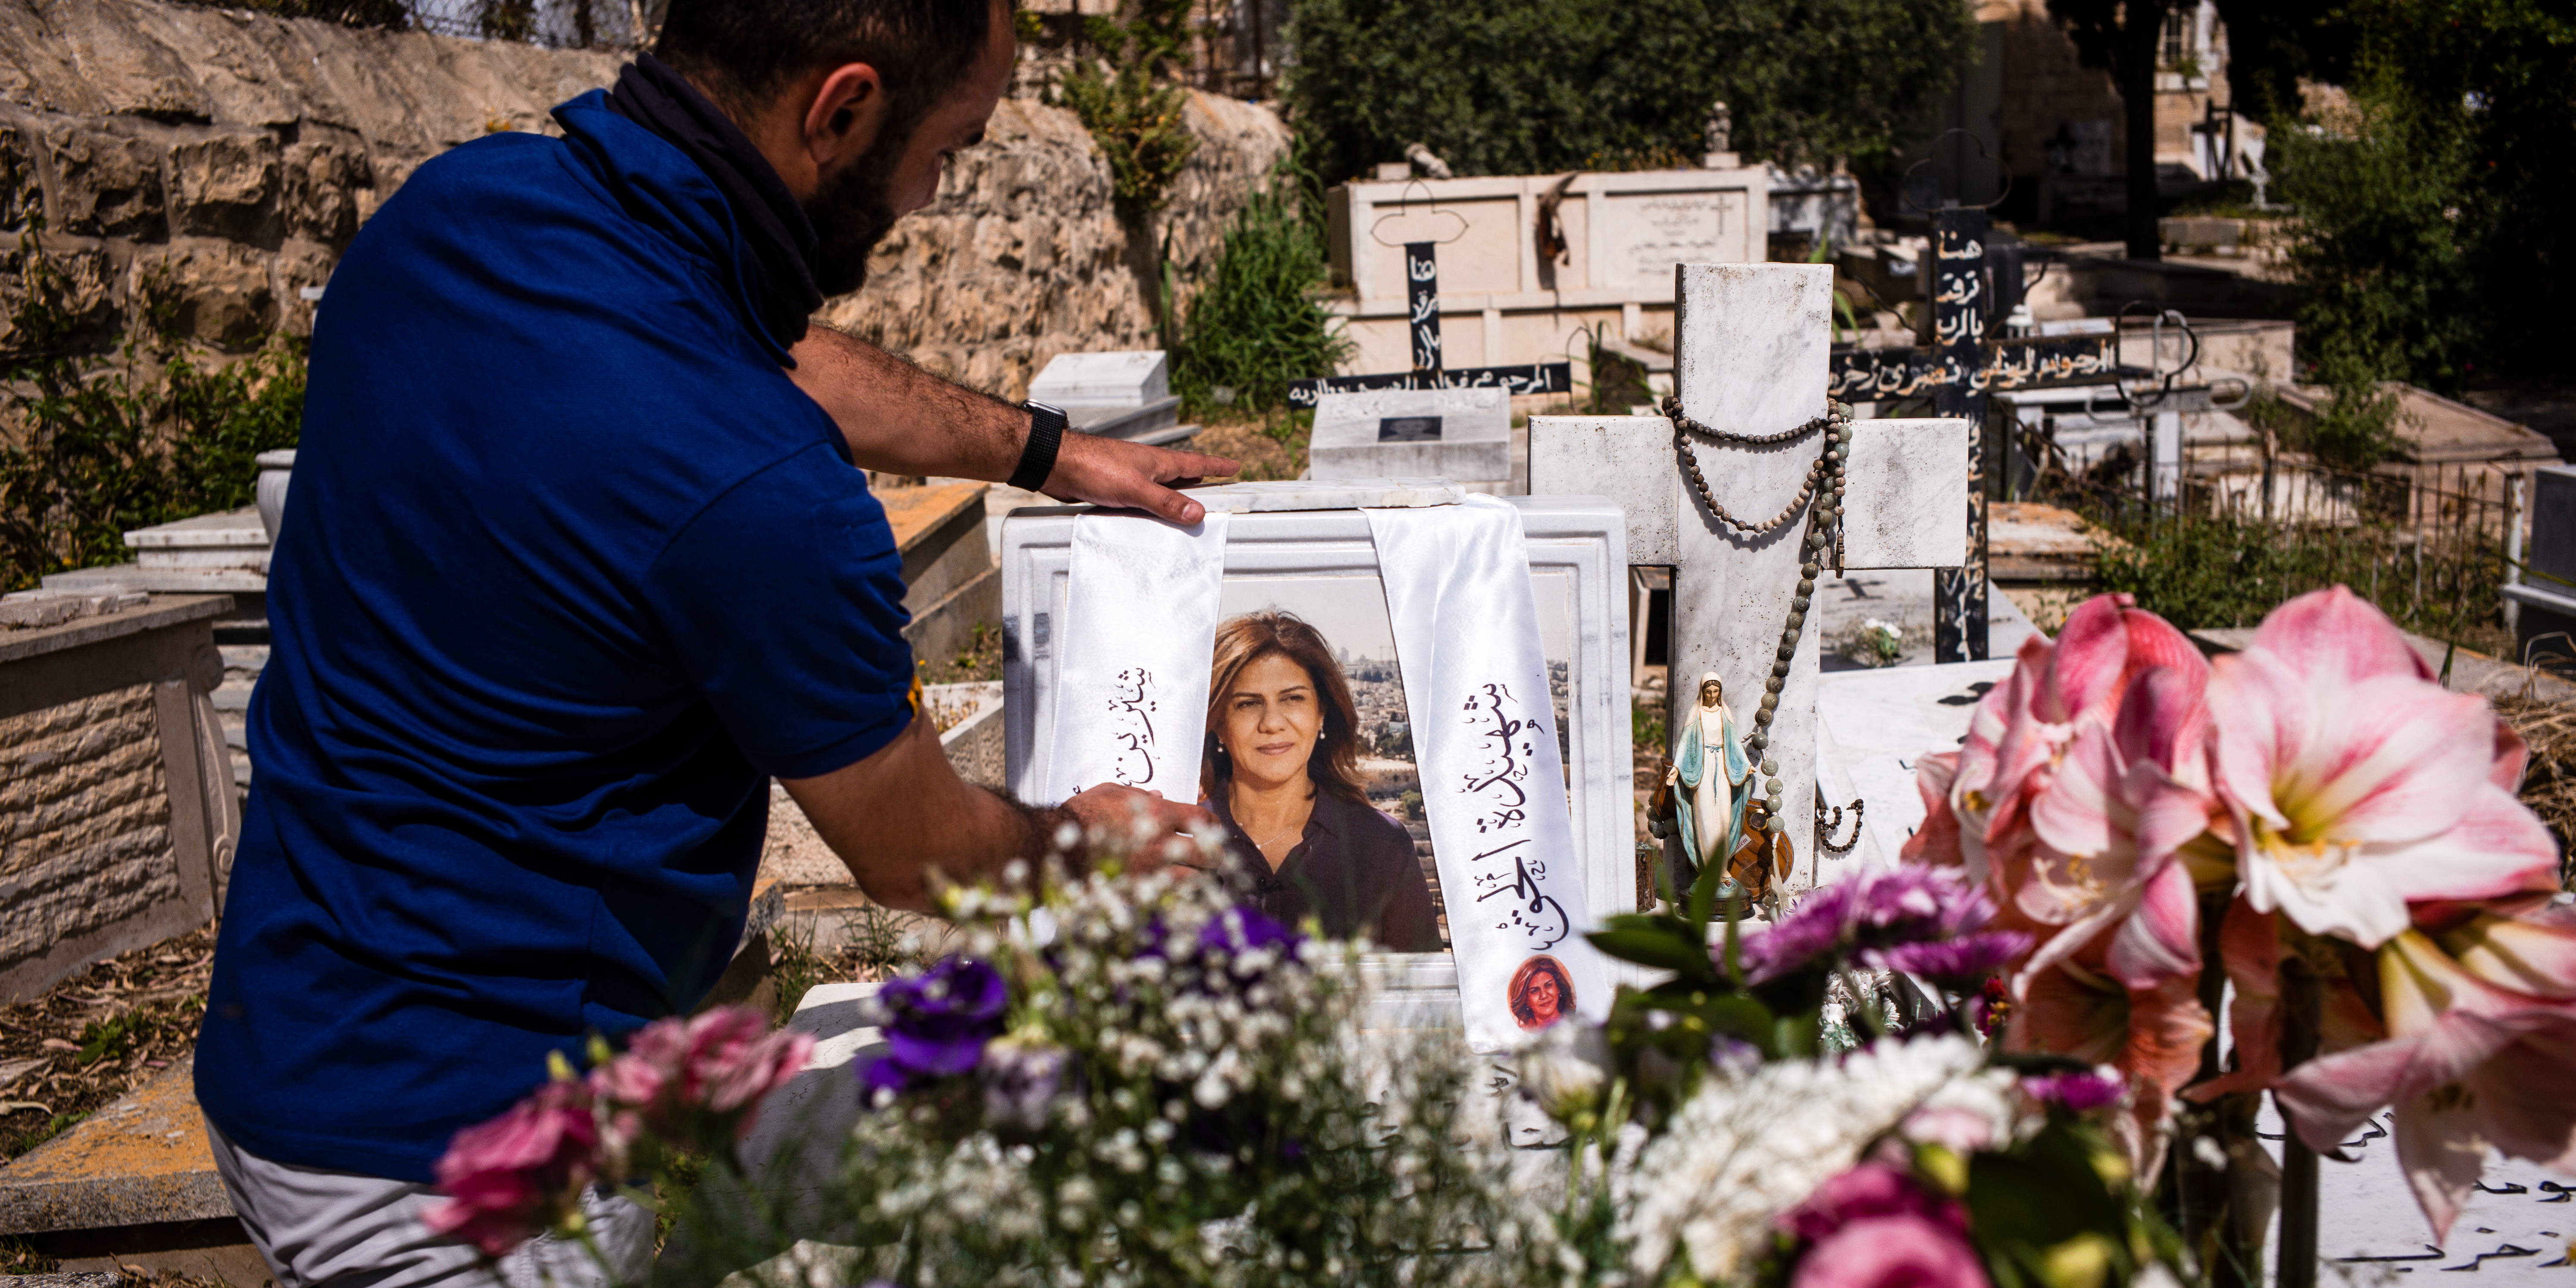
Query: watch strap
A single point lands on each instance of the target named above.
(1046, 438)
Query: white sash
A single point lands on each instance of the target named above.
(1484, 737)
(1133, 653)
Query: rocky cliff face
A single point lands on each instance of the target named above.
(1021, 258)
(214, 164)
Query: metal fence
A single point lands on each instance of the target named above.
(2243, 525)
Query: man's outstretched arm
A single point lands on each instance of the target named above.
(903, 811)
(900, 419)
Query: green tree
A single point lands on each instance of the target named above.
(2438, 250)
(2390, 222)
(1534, 86)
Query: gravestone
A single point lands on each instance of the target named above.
(1527, 263)
(1121, 394)
(1751, 357)
(1460, 434)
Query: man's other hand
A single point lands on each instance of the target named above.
(1120, 810)
(1132, 476)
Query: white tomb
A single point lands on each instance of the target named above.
(1120, 394)
(1502, 303)
(1462, 434)
(1310, 530)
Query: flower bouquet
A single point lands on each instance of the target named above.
(1721, 1130)
(2315, 821)
(1133, 1081)
(1966, 1071)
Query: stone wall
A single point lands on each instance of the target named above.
(216, 163)
(1021, 258)
(84, 823)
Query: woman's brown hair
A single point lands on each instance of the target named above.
(1335, 765)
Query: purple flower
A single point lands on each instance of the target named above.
(2078, 1091)
(1244, 928)
(1964, 962)
(1873, 914)
(937, 1023)
(1021, 1078)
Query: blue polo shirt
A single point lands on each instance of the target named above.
(569, 569)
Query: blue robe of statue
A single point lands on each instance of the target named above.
(1692, 766)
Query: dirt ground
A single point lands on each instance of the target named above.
(98, 1035)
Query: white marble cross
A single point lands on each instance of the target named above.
(1751, 347)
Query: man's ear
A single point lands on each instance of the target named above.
(846, 114)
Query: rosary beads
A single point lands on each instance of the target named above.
(1821, 496)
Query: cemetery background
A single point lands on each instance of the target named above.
(229, 265)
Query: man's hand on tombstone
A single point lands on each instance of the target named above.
(1132, 476)
(1161, 827)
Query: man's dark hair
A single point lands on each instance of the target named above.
(745, 51)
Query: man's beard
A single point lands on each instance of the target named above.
(851, 213)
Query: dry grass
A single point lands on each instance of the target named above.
(2549, 785)
(1271, 448)
(98, 1035)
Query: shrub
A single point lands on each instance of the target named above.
(1535, 86)
(1256, 322)
(153, 433)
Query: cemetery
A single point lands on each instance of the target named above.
(1970, 685)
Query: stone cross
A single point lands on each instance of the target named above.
(1750, 357)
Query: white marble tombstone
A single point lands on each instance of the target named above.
(1130, 378)
(1461, 434)
(1315, 529)
(1751, 359)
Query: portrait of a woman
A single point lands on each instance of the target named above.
(1281, 772)
(1541, 994)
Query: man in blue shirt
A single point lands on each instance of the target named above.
(579, 556)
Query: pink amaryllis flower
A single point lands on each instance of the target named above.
(2022, 726)
(521, 1174)
(678, 1073)
(2481, 1016)
(2153, 1036)
(2356, 783)
(2110, 826)
(2251, 947)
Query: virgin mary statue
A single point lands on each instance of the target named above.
(1715, 779)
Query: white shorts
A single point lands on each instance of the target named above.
(321, 1229)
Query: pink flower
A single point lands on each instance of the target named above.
(1901, 1251)
(2481, 1018)
(680, 1071)
(2022, 726)
(1868, 1190)
(2152, 1035)
(520, 1174)
(2110, 826)
(2356, 783)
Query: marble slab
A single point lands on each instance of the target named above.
(1338, 494)
(1474, 443)
(1871, 728)
(1126, 378)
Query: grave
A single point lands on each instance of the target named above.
(116, 804)
(1752, 357)
(1528, 261)
(1460, 434)
(1124, 394)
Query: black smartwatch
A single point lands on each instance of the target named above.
(1046, 437)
